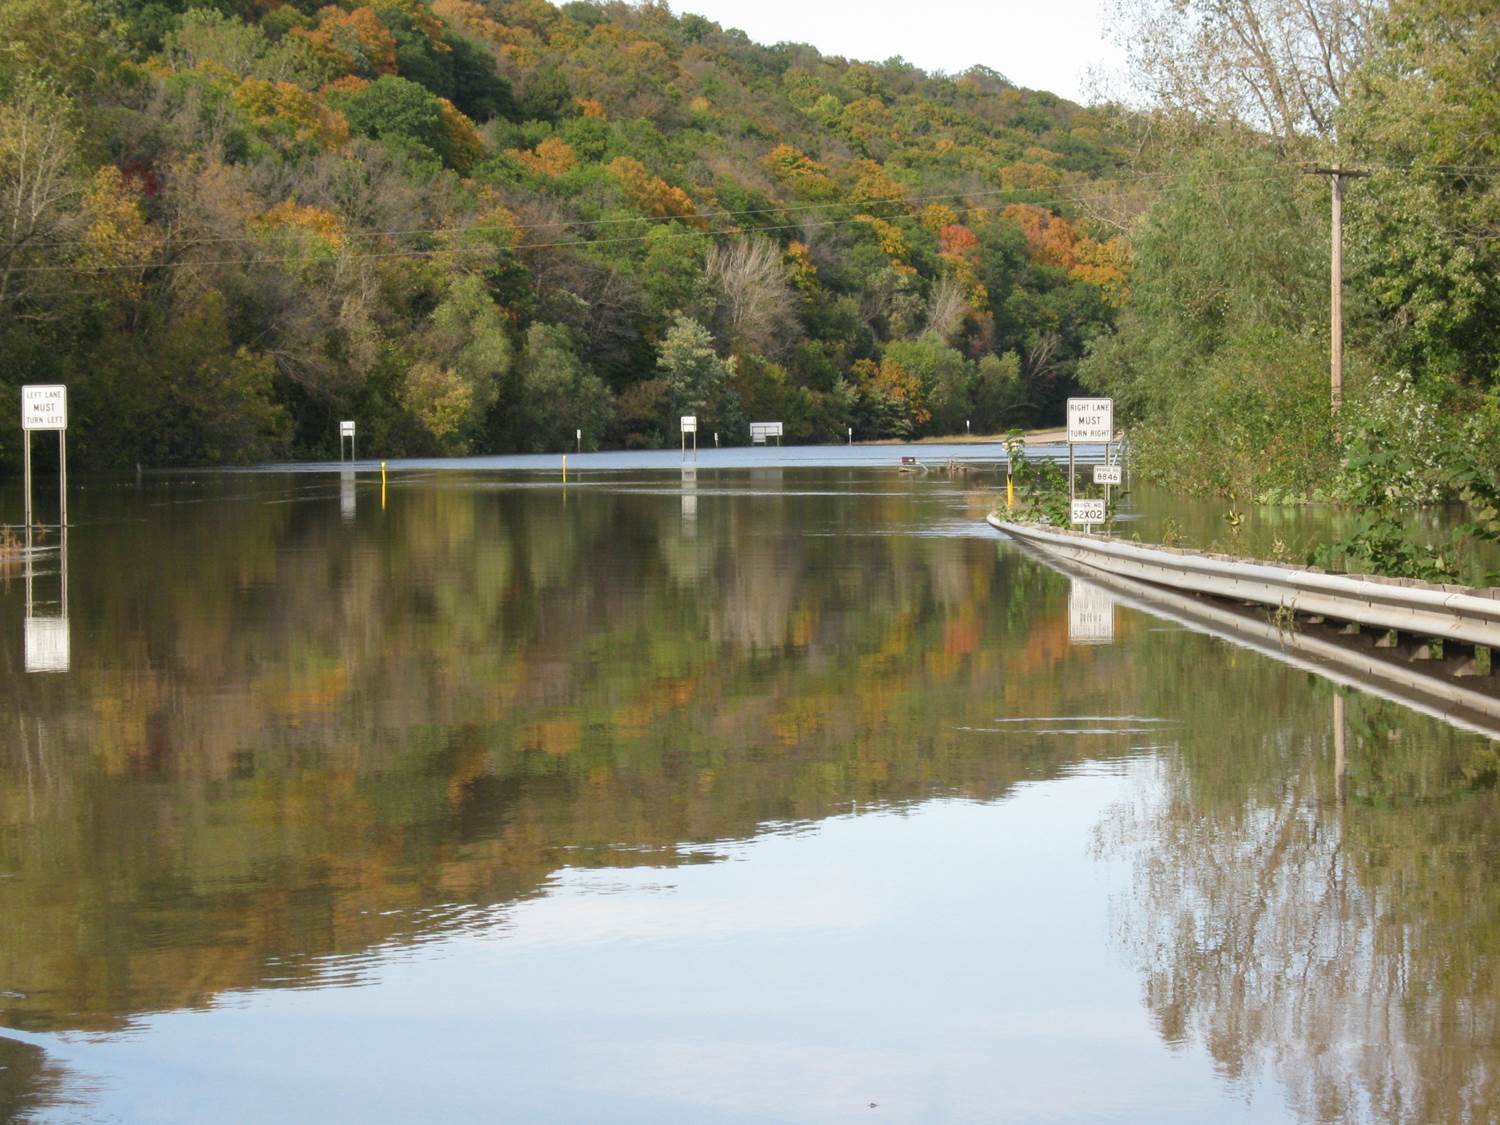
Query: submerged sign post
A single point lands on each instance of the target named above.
(45, 407)
(346, 430)
(1091, 421)
(690, 426)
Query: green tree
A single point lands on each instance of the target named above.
(1424, 229)
(401, 113)
(695, 378)
(1220, 362)
(559, 395)
(465, 357)
(946, 379)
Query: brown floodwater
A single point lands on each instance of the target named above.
(771, 793)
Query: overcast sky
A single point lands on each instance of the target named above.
(1047, 45)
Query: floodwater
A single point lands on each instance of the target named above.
(769, 793)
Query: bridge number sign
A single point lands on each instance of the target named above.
(1107, 474)
(1088, 511)
(1091, 420)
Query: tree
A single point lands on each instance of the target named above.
(1281, 66)
(1424, 229)
(1220, 362)
(695, 379)
(38, 186)
(754, 301)
(944, 376)
(395, 109)
(465, 354)
(559, 395)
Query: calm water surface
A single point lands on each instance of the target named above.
(764, 794)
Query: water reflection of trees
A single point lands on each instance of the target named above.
(287, 737)
(1343, 932)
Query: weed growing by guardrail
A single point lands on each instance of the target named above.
(1041, 487)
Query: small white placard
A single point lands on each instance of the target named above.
(44, 407)
(346, 429)
(1091, 420)
(1091, 615)
(1088, 511)
(48, 647)
(690, 423)
(1106, 474)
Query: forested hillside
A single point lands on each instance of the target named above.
(478, 225)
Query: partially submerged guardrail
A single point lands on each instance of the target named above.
(1459, 613)
(1340, 659)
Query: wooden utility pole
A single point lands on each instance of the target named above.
(1336, 175)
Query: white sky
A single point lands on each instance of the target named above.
(1043, 44)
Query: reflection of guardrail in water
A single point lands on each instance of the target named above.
(1340, 659)
(1457, 613)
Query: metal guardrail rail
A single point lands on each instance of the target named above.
(1342, 660)
(1459, 613)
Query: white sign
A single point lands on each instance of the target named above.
(690, 423)
(1088, 511)
(1106, 474)
(1091, 420)
(1091, 615)
(44, 408)
(48, 645)
(346, 429)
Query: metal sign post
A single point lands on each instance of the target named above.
(346, 430)
(690, 426)
(45, 407)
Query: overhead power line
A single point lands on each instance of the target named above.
(1019, 196)
(427, 252)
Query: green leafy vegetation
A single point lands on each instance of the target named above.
(482, 226)
(1220, 363)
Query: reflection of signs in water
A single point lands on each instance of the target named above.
(346, 494)
(48, 644)
(1091, 615)
(690, 499)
